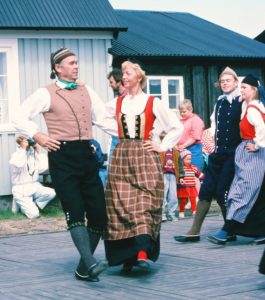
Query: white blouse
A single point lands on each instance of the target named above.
(165, 118)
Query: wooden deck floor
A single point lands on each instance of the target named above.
(41, 266)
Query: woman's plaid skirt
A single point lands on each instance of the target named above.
(134, 198)
(134, 192)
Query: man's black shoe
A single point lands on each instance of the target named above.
(86, 277)
(259, 240)
(187, 238)
(126, 269)
(216, 240)
(81, 273)
(231, 238)
(98, 268)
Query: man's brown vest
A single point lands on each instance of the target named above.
(69, 116)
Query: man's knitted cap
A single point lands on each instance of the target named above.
(57, 57)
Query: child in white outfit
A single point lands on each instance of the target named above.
(28, 193)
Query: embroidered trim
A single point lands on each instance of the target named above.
(76, 224)
(96, 230)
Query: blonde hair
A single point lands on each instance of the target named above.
(228, 71)
(139, 71)
(186, 103)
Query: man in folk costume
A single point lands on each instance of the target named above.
(220, 169)
(134, 190)
(70, 109)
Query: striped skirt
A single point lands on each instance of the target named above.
(134, 192)
(245, 188)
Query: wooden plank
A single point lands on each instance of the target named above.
(41, 266)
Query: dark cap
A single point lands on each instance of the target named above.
(251, 80)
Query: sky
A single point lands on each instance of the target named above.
(246, 17)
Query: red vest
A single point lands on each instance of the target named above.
(146, 120)
(247, 130)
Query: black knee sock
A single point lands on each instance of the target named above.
(81, 240)
(223, 210)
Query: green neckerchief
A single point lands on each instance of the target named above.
(69, 85)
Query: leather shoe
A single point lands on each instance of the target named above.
(187, 238)
(142, 263)
(86, 277)
(259, 240)
(231, 238)
(98, 268)
(92, 274)
(126, 269)
(215, 240)
(81, 273)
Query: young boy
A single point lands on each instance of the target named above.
(173, 172)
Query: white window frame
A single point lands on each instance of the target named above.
(164, 88)
(10, 47)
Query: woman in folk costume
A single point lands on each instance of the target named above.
(134, 191)
(245, 204)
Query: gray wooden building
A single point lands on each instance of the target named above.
(29, 31)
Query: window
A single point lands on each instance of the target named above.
(9, 84)
(170, 89)
(3, 89)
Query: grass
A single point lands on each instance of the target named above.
(8, 215)
(52, 210)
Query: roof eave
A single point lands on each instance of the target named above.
(113, 29)
(166, 56)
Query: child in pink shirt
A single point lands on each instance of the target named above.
(192, 135)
